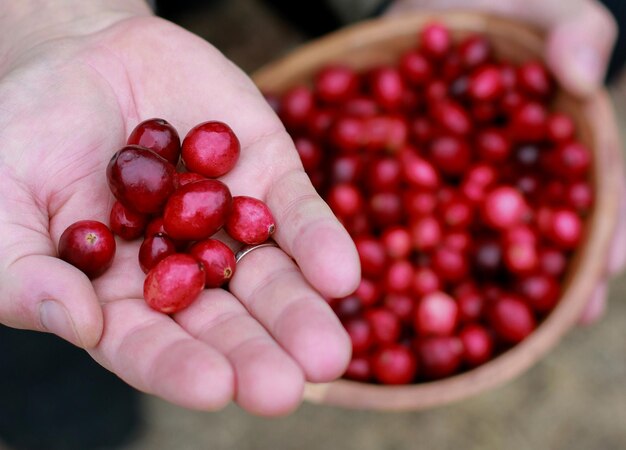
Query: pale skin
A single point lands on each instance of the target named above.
(75, 78)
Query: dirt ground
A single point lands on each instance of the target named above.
(575, 399)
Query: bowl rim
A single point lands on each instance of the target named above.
(598, 112)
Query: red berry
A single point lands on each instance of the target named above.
(452, 118)
(173, 284)
(474, 51)
(426, 233)
(552, 261)
(210, 149)
(534, 79)
(387, 87)
(140, 179)
(435, 40)
(572, 160)
(385, 208)
(425, 281)
(181, 179)
(384, 174)
(250, 220)
(368, 292)
(372, 256)
(521, 257)
(153, 250)
(394, 364)
(399, 276)
(345, 200)
(197, 210)
(564, 228)
(347, 134)
(450, 264)
(493, 145)
(359, 369)
(296, 106)
(401, 305)
(336, 84)
(503, 207)
(397, 242)
(560, 128)
(471, 306)
(418, 172)
(511, 318)
(415, 68)
(540, 291)
(89, 246)
(385, 325)
(127, 223)
(485, 83)
(217, 259)
(436, 315)
(347, 307)
(159, 136)
(450, 154)
(360, 332)
(439, 356)
(477, 344)
(528, 122)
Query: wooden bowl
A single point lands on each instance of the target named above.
(382, 41)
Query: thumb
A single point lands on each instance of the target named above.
(579, 48)
(43, 293)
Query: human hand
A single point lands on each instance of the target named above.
(69, 95)
(581, 35)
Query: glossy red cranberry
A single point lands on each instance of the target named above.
(197, 210)
(471, 306)
(399, 276)
(345, 200)
(402, 305)
(552, 261)
(336, 84)
(387, 87)
(560, 128)
(474, 51)
(520, 257)
(384, 324)
(477, 345)
(436, 91)
(450, 154)
(250, 220)
(508, 76)
(360, 106)
(397, 242)
(511, 318)
(156, 227)
(421, 130)
(452, 68)
(296, 106)
(181, 179)
(425, 281)
(564, 228)
(572, 160)
(510, 102)
(372, 256)
(210, 149)
(347, 134)
(436, 314)
(419, 203)
(415, 68)
(520, 234)
(478, 180)
(541, 291)
(384, 174)
(359, 369)
(579, 195)
(426, 233)
(386, 209)
(369, 292)
(159, 136)
(493, 145)
(360, 332)
(528, 122)
(439, 356)
(89, 246)
(310, 153)
(453, 118)
(450, 264)
(503, 208)
(485, 83)
(127, 223)
(319, 122)
(173, 284)
(457, 214)
(387, 133)
(155, 249)
(217, 259)
(435, 40)
(418, 172)
(394, 364)
(140, 179)
(459, 240)
(534, 79)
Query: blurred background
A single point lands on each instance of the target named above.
(575, 399)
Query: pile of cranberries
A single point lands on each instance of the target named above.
(464, 193)
(176, 212)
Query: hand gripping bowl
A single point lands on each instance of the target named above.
(382, 41)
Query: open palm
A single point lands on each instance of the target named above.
(65, 107)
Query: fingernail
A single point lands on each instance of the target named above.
(586, 68)
(56, 319)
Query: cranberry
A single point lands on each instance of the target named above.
(540, 291)
(154, 249)
(387, 87)
(452, 118)
(471, 306)
(384, 174)
(210, 149)
(457, 240)
(397, 242)
(369, 292)
(552, 261)
(477, 344)
(450, 264)
(534, 79)
(361, 107)
(89, 246)
(310, 153)
(173, 284)
(528, 123)
(493, 145)
(435, 40)
(415, 68)
(425, 281)
(296, 106)
(399, 276)
(385, 133)
(384, 324)
(402, 305)
(394, 364)
(250, 220)
(181, 179)
(345, 200)
(485, 83)
(457, 213)
(579, 195)
(426, 233)
(385, 208)
(127, 223)
(360, 332)
(452, 67)
(572, 160)
(418, 172)
(478, 180)
(197, 210)
(503, 207)
(560, 128)
(217, 259)
(140, 179)
(346, 169)
(359, 369)
(521, 257)
(336, 84)
(508, 76)
(421, 130)
(450, 154)
(474, 51)
(346, 134)
(436, 314)
(435, 92)
(564, 228)
(319, 122)
(439, 356)
(511, 318)
(418, 204)
(159, 136)
(372, 256)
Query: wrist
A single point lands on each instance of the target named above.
(27, 23)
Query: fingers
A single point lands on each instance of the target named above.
(596, 306)
(579, 48)
(268, 381)
(151, 352)
(309, 232)
(617, 255)
(273, 290)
